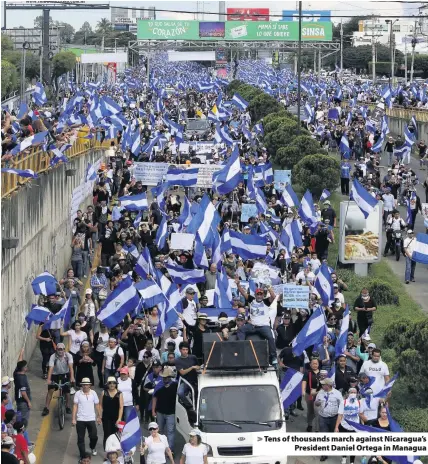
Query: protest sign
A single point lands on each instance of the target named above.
(281, 178)
(150, 173)
(295, 296)
(184, 148)
(247, 211)
(182, 241)
(205, 174)
(425, 213)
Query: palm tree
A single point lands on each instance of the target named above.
(104, 26)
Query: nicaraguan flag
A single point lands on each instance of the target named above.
(38, 314)
(409, 137)
(312, 333)
(342, 340)
(420, 251)
(199, 256)
(62, 317)
(402, 151)
(162, 234)
(222, 134)
(222, 291)
(291, 387)
(415, 125)
(216, 255)
(258, 129)
(136, 143)
(362, 198)
(169, 309)
(39, 95)
(134, 202)
(44, 284)
(344, 146)
(131, 434)
(205, 221)
(183, 177)
(247, 246)
(332, 374)
(307, 209)
(186, 215)
(109, 106)
(324, 285)
(121, 301)
(225, 245)
(325, 194)
(377, 147)
(151, 293)
(289, 197)
(30, 141)
(239, 101)
(387, 388)
(91, 174)
(291, 236)
(182, 276)
(144, 265)
(21, 172)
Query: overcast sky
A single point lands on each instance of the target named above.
(16, 18)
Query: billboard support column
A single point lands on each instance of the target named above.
(319, 64)
(45, 45)
(361, 269)
(299, 65)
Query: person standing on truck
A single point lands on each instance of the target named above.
(259, 318)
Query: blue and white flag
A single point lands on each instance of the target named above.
(387, 388)
(199, 255)
(342, 339)
(135, 142)
(402, 151)
(325, 194)
(36, 139)
(169, 309)
(258, 129)
(91, 174)
(409, 202)
(183, 276)
(38, 314)
(21, 172)
(121, 301)
(420, 251)
(312, 333)
(415, 125)
(39, 95)
(225, 245)
(344, 146)
(307, 209)
(186, 215)
(183, 177)
(62, 317)
(144, 265)
(222, 291)
(131, 434)
(134, 202)
(289, 197)
(151, 292)
(291, 387)
(291, 236)
(109, 106)
(222, 134)
(238, 101)
(247, 246)
(409, 137)
(377, 147)
(324, 285)
(44, 284)
(205, 221)
(332, 374)
(362, 198)
(162, 234)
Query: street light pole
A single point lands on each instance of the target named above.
(413, 52)
(299, 65)
(341, 45)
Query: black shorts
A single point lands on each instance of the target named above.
(56, 378)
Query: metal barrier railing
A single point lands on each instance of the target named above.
(421, 114)
(38, 161)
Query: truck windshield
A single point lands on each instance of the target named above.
(241, 408)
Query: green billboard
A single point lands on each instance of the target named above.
(233, 30)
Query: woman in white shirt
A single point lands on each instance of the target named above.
(111, 363)
(101, 343)
(156, 446)
(125, 385)
(194, 452)
(77, 337)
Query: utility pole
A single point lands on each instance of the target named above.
(373, 52)
(41, 63)
(413, 52)
(341, 45)
(299, 65)
(405, 59)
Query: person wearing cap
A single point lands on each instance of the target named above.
(7, 444)
(409, 246)
(259, 317)
(328, 213)
(365, 307)
(163, 404)
(173, 336)
(113, 359)
(112, 445)
(86, 415)
(194, 452)
(156, 446)
(190, 307)
(60, 369)
(196, 333)
(111, 408)
(376, 368)
(129, 389)
(6, 387)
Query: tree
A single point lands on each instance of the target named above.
(6, 43)
(86, 28)
(316, 173)
(66, 32)
(274, 124)
(281, 137)
(104, 26)
(9, 78)
(38, 22)
(287, 157)
(62, 63)
(262, 105)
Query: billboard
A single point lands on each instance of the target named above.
(233, 30)
(313, 16)
(248, 14)
(361, 240)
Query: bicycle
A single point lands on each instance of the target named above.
(61, 402)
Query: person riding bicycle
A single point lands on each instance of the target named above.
(60, 370)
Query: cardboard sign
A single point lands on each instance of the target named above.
(295, 296)
(281, 178)
(182, 241)
(247, 211)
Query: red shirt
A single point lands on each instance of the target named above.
(20, 445)
(3, 412)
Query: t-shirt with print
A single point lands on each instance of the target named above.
(259, 311)
(350, 408)
(378, 371)
(76, 340)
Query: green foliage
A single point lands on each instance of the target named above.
(262, 105)
(62, 63)
(282, 113)
(412, 419)
(66, 31)
(383, 293)
(359, 57)
(383, 67)
(421, 63)
(104, 26)
(317, 172)
(287, 157)
(6, 43)
(281, 137)
(9, 78)
(274, 124)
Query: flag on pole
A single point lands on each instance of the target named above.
(38, 314)
(420, 251)
(291, 387)
(131, 434)
(362, 198)
(44, 284)
(312, 333)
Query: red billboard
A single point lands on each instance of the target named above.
(248, 14)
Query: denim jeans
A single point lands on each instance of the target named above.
(166, 424)
(410, 269)
(327, 424)
(126, 412)
(108, 373)
(264, 331)
(77, 268)
(23, 409)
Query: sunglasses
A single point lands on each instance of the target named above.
(145, 357)
(111, 383)
(151, 430)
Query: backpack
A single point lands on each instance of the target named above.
(116, 359)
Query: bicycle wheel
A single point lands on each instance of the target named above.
(61, 412)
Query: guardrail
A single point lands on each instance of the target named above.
(421, 114)
(38, 161)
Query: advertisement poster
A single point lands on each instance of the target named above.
(361, 239)
(220, 57)
(233, 30)
(314, 16)
(295, 296)
(248, 14)
(281, 178)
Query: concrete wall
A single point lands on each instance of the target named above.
(39, 215)
(397, 125)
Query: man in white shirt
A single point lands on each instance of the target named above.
(389, 204)
(409, 246)
(369, 406)
(113, 443)
(376, 368)
(338, 296)
(306, 275)
(190, 308)
(86, 410)
(394, 222)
